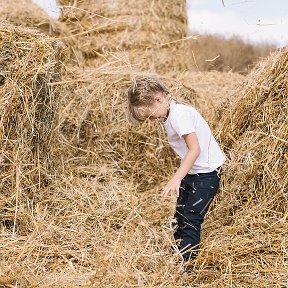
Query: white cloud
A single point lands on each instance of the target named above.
(228, 23)
(50, 6)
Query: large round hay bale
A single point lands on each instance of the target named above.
(255, 134)
(95, 30)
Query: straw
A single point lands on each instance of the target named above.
(28, 110)
(80, 200)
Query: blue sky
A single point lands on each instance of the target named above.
(253, 20)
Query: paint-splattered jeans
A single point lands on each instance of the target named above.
(195, 196)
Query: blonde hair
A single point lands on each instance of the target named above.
(141, 93)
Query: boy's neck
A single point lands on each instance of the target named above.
(168, 106)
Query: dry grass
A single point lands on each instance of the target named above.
(214, 93)
(214, 52)
(26, 13)
(100, 33)
(100, 222)
(28, 63)
(96, 121)
(255, 135)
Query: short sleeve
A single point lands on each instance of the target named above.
(184, 121)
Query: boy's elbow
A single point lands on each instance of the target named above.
(196, 150)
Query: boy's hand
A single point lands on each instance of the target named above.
(173, 185)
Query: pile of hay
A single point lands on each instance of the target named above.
(251, 217)
(244, 209)
(214, 93)
(96, 129)
(101, 222)
(25, 13)
(255, 133)
(149, 34)
(29, 62)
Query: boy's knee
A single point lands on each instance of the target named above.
(193, 217)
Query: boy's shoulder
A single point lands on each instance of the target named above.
(181, 107)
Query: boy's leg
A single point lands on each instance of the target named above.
(200, 196)
(181, 202)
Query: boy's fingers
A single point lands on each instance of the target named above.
(165, 192)
(168, 189)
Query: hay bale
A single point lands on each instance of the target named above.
(95, 30)
(29, 62)
(161, 60)
(251, 215)
(96, 128)
(102, 221)
(25, 13)
(255, 133)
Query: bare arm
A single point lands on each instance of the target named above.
(193, 152)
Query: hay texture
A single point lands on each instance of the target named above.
(214, 93)
(97, 129)
(255, 131)
(101, 221)
(255, 137)
(29, 62)
(25, 13)
(151, 31)
(243, 239)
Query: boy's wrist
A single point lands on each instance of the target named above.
(176, 178)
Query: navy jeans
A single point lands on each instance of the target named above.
(195, 196)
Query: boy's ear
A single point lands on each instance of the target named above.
(157, 97)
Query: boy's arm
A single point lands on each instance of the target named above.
(186, 165)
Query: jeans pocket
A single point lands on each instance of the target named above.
(202, 193)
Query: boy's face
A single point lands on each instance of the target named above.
(157, 110)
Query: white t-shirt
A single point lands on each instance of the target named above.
(184, 119)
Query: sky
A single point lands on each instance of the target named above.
(258, 21)
(50, 6)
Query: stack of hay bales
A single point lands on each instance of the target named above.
(29, 62)
(148, 33)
